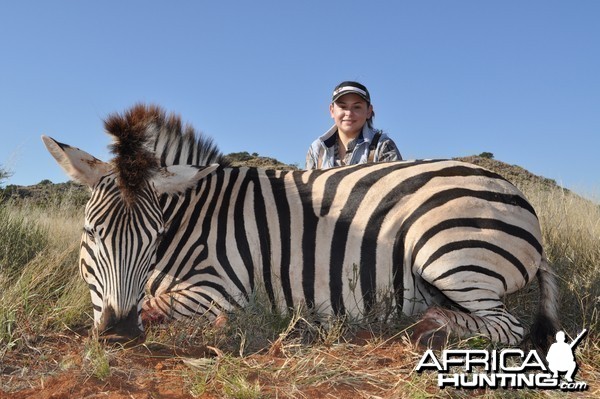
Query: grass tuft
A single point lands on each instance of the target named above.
(97, 359)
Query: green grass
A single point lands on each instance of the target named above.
(97, 359)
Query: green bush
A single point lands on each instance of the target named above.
(4, 174)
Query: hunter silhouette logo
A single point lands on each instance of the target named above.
(560, 355)
(507, 368)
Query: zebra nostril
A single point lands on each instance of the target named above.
(125, 341)
(124, 330)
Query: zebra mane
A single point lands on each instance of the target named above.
(145, 137)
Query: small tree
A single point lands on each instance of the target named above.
(4, 174)
(487, 155)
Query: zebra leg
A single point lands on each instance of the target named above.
(495, 323)
(474, 297)
(177, 305)
(432, 330)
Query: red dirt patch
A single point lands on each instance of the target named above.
(61, 366)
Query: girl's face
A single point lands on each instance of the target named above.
(350, 112)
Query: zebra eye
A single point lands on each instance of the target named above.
(89, 232)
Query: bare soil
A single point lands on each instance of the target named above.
(58, 366)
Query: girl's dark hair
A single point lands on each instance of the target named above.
(370, 120)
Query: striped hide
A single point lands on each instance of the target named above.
(174, 234)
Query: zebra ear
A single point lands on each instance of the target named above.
(178, 178)
(79, 165)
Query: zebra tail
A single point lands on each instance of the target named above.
(547, 321)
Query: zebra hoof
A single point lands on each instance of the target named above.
(430, 333)
(221, 321)
(435, 340)
(151, 316)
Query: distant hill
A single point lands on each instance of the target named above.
(513, 173)
(47, 193)
(256, 161)
(75, 194)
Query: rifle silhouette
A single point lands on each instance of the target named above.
(578, 338)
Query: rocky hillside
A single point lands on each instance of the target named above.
(71, 193)
(515, 174)
(256, 161)
(47, 193)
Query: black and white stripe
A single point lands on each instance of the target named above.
(431, 232)
(447, 238)
(114, 237)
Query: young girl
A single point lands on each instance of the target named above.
(352, 140)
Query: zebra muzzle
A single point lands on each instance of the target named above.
(123, 330)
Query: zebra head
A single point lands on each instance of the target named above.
(122, 229)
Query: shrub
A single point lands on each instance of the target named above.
(4, 174)
(487, 155)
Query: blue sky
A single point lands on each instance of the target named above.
(519, 79)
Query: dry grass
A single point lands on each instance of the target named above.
(260, 353)
(44, 293)
(571, 227)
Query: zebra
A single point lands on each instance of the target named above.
(171, 230)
